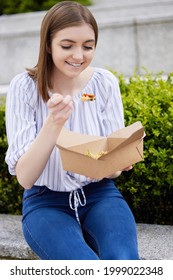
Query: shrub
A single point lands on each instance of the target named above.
(10, 191)
(24, 6)
(148, 188)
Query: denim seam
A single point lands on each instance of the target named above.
(95, 239)
(40, 248)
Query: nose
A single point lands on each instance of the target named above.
(78, 54)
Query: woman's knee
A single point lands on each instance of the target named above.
(119, 250)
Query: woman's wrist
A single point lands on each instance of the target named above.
(115, 175)
(52, 128)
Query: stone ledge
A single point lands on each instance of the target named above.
(3, 90)
(12, 243)
(123, 29)
(155, 241)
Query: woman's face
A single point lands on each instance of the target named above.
(73, 49)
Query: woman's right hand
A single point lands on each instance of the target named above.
(60, 108)
(31, 164)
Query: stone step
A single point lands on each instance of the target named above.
(132, 34)
(155, 241)
(3, 90)
(133, 9)
(108, 11)
(127, 2)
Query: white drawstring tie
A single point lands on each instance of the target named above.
(76, 201)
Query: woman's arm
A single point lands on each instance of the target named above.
(31, 164)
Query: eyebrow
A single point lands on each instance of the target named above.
(71, 41)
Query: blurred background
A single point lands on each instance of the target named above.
(133, 34)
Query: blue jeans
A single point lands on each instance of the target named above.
(106, 229)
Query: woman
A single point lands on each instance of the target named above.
(66, 215)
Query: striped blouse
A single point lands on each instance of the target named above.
(26, 113)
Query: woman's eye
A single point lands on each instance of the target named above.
(88, 48)
(69, 47)
(66, 47)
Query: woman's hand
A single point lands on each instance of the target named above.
(128, 168)
(118, 173)
(60, 108)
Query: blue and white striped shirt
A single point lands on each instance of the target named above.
(26, 113)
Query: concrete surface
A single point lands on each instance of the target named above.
(155, 241)
(12, 243)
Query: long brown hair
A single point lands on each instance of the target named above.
(60, 16)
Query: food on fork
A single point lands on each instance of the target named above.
(88, 97)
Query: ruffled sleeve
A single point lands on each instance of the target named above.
(20, 118)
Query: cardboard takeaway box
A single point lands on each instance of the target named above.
(123, 148)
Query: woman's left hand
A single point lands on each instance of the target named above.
(128, 168)
(118, 173)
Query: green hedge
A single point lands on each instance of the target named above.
(24, 6)
(10, 191)
(148, 187)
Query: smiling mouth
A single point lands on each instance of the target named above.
(74, 64)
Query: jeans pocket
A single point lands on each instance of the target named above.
(34, 192)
